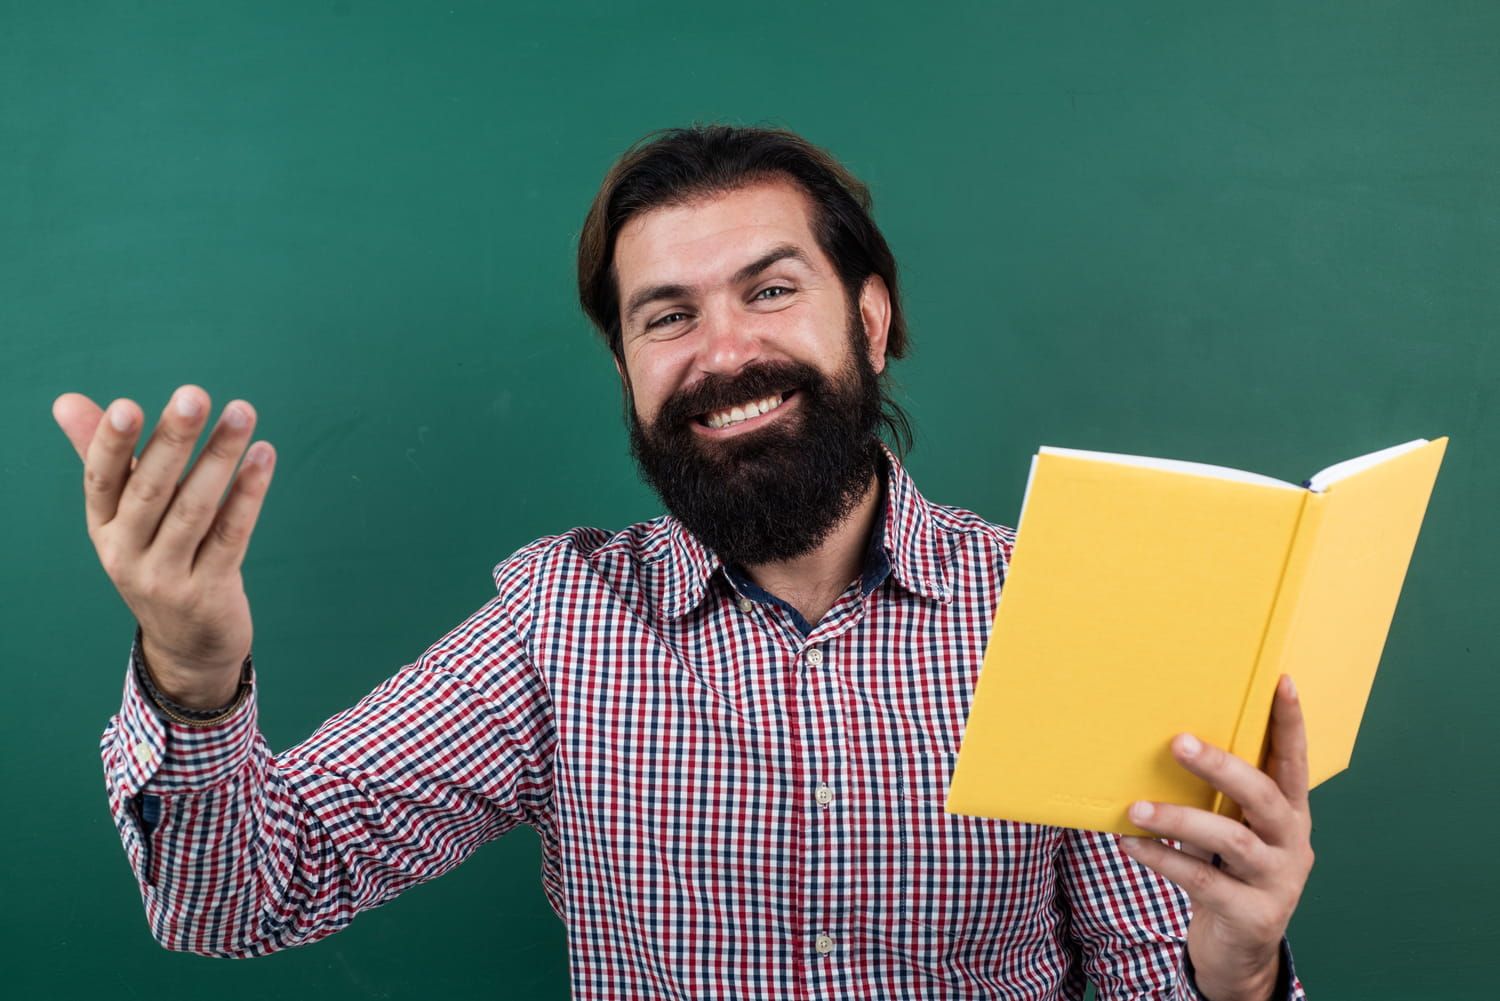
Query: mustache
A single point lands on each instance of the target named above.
(716, 392)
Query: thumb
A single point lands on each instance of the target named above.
(79, 418)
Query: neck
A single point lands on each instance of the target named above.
(811, 583)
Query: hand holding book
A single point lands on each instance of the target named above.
(1243, 904)
(1150, 597)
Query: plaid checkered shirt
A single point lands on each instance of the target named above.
(731, 802)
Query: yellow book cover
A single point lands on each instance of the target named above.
(1148, 597)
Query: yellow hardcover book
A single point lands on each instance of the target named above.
(1149, 597)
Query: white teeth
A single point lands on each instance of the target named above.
(744, 412)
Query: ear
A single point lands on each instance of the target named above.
(875, 313)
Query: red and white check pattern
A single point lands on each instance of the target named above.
(668, 739)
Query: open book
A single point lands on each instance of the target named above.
(1148, 597)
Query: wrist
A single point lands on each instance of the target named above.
(1265, 990)
(193, 691)
(196, 695)
(197, 690)
(1259, 985)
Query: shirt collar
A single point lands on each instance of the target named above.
(905, 536)
(911, 537)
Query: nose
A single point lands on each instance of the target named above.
(727, 341)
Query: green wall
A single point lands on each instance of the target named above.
(1256, 234)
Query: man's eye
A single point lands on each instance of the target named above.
(664, 320)
(779, 290)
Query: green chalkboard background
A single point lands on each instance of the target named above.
(1265, 235)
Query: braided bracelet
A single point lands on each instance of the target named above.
(195, 718)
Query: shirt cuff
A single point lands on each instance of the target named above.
(173, 757)
(1286, 977)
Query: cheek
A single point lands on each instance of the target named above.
(642, 407)
(818, 335)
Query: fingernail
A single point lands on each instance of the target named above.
(256, 456)
(120, 418)
(188, 405)
(1291, 687)
(1141, 811)
(236, 417)
(1190, 745)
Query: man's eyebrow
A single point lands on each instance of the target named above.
(651, 293)
(780, 252)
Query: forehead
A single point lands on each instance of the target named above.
(710, 237)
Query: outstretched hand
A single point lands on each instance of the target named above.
(170, 546)
(1241, 908)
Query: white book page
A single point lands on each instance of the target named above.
(1320, 481)
(1174, 466)
(1030, 475)
(1325, 478)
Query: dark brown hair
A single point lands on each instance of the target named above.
(673, 166)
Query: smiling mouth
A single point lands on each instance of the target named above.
(730, 416)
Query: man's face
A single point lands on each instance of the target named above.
(752, 380)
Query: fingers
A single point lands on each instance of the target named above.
(223, 548)
(1265, 806)
(184, 524)
(151, 487)
(107, 456)
(1287, 760)
(1205, 834)
(196, 502)
(1265, 860)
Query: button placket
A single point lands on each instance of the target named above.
(825, 890)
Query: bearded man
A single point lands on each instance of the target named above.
(731, 726)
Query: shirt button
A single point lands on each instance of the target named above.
(744, 604)
(143, 754)
(824, 944)
(815, 657)
(823, 794)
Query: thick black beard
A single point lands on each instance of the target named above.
(778, 492)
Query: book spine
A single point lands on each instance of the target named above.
(1250, 741)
